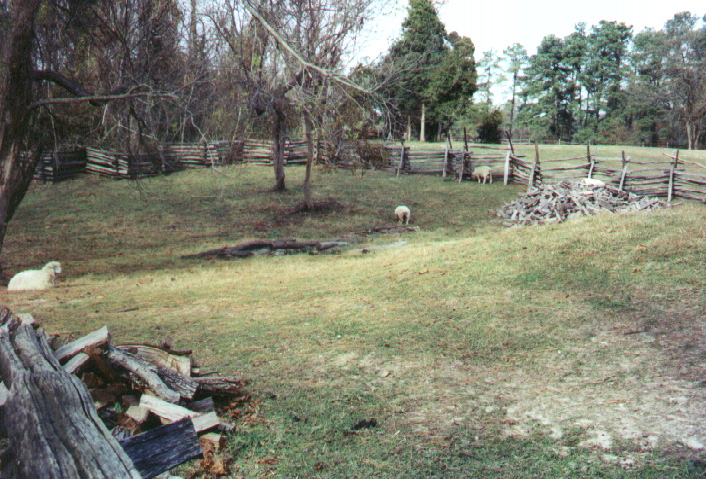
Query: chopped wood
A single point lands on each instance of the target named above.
(162, 448)
(94, 339)
(165, 410)
(43, 443)
(160, 357)
(221, 386)
(130, 400)
(547, 204)
(142, 373)
(206, 421)
(76, 363)
(204, 405)
(213, 441)
(184, 386)
(138, 414)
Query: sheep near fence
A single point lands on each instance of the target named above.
(668, 178)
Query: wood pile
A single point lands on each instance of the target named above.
(547, 204)
(151, 400)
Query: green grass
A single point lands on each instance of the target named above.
(437, 339)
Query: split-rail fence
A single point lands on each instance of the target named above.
(671, 178)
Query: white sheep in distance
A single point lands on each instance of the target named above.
(402, 213)
(591, 182)
(36, 279)
(482, 172)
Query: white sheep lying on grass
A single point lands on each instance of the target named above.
(592, 182)
(482, 172)
(402, 213)
(36, 279)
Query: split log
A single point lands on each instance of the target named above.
(160, 357)
(204, 405)
(138, 414)
(165, 410)
(76, 362)
(163, 448)
(184, 386)
(142, 373)
(53, 427)
(95, 339)
(206, 421)
(221, 386)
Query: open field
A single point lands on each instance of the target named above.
(572, 350)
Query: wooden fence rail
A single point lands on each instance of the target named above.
(671, 178)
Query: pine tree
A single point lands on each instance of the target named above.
(418, 53)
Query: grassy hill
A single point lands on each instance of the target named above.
(572, 350)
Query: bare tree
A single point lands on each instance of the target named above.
(290, 57)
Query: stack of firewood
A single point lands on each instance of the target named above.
(138, 386)
(152, 400)
(546, 204)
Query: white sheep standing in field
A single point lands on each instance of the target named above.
(592, 182)
(402, 213)
(482, 172)
(36, 279)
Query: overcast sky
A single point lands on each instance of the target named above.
(497, 24)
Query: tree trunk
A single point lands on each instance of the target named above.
(309, 160)
(279, 135)
(512, 103)
(16, 172)
(408, 136)
(421, 124)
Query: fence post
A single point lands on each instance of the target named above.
(506, 176)
(535, 167)
(401, 165)
(625, 171)
(591, 160)
(463, 158)
(673, 166)
(446, 160)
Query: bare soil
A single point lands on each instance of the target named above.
(629, 385)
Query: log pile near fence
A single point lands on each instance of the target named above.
(547, 204)
(102, 425)
(666, 179)
(669, 178)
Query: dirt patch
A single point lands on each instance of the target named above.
(637, 384)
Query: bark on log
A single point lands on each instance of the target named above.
(94, 339)
(160, 357)
(221, 386)
(163, 448)
(53, 427)
(143, 374)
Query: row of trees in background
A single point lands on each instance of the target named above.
(607, 85)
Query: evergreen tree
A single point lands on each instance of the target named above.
(548, 91)
(417, 54)
(515, 57)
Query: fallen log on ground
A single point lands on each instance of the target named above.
(275, 247)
